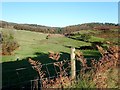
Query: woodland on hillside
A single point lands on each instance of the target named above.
(60, 30)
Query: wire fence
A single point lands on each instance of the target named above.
(27, 77)
(58, 74)
(50, 75)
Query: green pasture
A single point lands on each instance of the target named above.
(34, 42)
(36, 46)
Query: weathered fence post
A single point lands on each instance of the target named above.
(73, 66)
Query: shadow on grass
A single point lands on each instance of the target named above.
(19, 73)
(77, 39)
(44, 58)
(48, 63)
(89, 54)
(87, 51)
(81, 47)
(15, 72)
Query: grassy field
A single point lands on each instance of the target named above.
(33, 42)
(35, 45)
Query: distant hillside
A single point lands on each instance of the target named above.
(59, 30)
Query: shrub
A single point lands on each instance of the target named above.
(8, 42)
(48, 36)
(84, 37)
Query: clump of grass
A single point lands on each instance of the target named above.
(84, 81)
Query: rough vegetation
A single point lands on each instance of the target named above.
(96, 75)
(47, 48)
(100, 72)
(8, 43)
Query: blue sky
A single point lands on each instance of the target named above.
(60, 13)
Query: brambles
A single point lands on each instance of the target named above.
(37, 66)
(101, 71)
(109, 61)
(54, 56)
(61, 80)
(96, 75)
(79, 57)
(101, 50)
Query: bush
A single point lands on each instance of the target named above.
(84, 37)
(8, 42)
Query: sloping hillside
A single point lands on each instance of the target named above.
(33, 42)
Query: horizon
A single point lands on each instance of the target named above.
(59, 27)
(63, 14)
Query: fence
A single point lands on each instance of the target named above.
(49, 72)
(51, 75)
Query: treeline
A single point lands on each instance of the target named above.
(91, 26)
(59, 30)
(4, 24)
(38, 28)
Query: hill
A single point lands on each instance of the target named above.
(33, 42)
(59, 30)
(37, 46)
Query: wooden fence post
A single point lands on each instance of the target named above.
(73, 66)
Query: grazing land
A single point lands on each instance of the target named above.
(36, 46)
(33, 42)
(59, 45)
